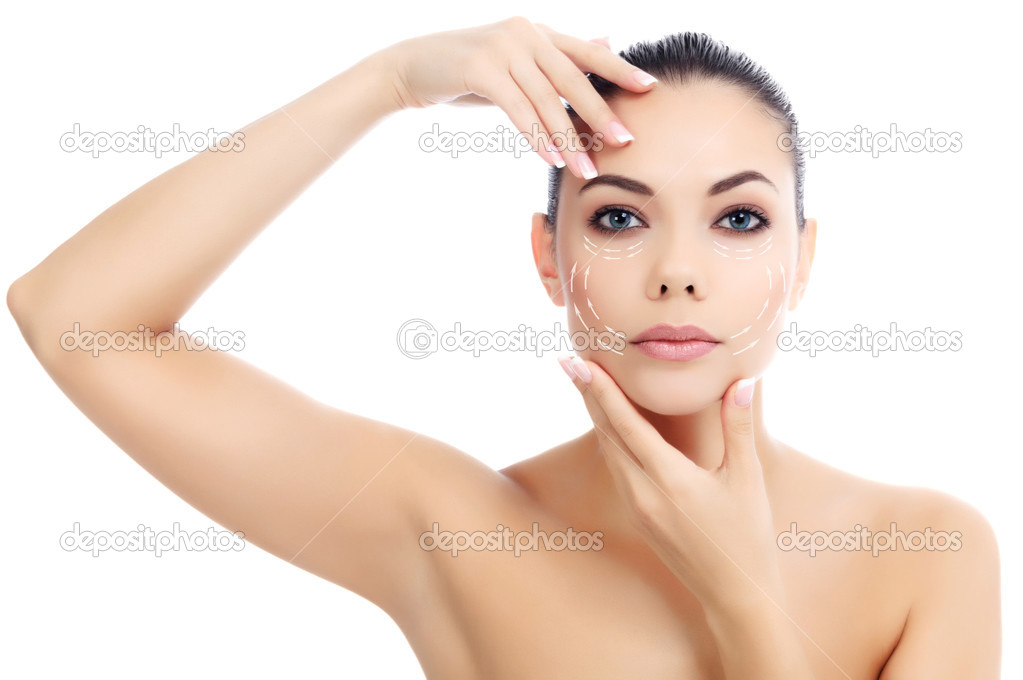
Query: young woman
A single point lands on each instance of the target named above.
(660, 543)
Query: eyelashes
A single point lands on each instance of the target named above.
(743, 220)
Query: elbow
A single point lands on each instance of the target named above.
(16, 302)
(21, 305)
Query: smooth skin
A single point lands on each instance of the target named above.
(347, 498)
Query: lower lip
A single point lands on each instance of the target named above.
(675, 351)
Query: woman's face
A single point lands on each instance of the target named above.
(711, 241)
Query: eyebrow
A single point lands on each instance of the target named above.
(637, 187)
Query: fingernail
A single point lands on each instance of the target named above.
(559, 161)
(580, 370)
(586, 166)
(619, 131)
(643, 78)
(744, 392)
(563, 361)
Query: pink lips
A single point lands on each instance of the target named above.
(675, 343)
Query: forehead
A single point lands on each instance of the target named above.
(694, 135)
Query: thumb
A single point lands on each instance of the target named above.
(737, 421)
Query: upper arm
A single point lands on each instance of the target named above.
(953, 629)
(329, 491)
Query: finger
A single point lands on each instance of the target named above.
(589, 58)
(605, 41)
(737, 420)
(601, 424)
(575, 87)
(507, 94)
(625, 468)
(540, 91)
(659, 460)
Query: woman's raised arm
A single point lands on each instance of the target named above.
(332, 492)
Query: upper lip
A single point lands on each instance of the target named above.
(665, 331)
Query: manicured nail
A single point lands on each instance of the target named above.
(563, 361)
(643, 78)
(559, 161)
(619, 131)
(586, 166)
(581, 370)
(744, 392)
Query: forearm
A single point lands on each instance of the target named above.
(759, 641)
(147, 258)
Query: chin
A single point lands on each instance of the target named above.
(678, 388)
(667, 395)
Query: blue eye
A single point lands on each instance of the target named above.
(614, 219)
(619, 219)
(744, 220)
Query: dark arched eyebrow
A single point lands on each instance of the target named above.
(637, 187)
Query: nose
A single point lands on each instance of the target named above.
(676, 270)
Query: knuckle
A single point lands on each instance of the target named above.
(742, 427)
(548, 92)
(598, 390)
(518, 23)
(595, 50)
(523, 107)
(624, 427)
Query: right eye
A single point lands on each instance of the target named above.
(614, 219)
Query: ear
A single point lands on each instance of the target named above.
(807, 244)
(546, 265)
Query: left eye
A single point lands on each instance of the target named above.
(616, 219)
(740, 220)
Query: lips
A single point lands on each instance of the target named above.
(675, 343)
(668, 333)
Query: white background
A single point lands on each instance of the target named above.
(392, 233)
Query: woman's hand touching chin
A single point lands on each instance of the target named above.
(712, 528)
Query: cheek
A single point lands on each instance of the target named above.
(753, 284)
(600, 275)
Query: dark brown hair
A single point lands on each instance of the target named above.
(682, 58)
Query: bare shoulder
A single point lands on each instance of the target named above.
(937, 552)
(879, 501)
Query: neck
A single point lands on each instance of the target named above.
(700, 436)
(697, 436)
